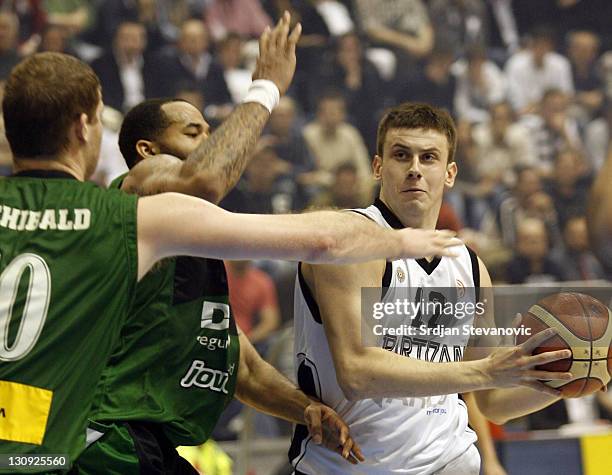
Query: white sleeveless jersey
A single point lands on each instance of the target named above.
(397, 436)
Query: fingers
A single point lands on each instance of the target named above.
(537, 375)
(283, 32)
(356, 452)
(346, 448)
(536, 340)
(293, 39)
(548, 357)
(264, 40)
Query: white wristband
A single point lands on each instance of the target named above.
(264, 92)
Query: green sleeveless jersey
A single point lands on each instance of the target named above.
(177, 363)
(68, 271)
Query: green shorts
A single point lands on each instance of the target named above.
(130, 448)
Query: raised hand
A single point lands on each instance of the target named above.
(328, 428)
(277, 60)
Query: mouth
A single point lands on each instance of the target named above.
(413, 190)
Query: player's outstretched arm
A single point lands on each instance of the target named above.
(502, 404)
(214, 168)
(171, 224)
(372, 372)
(261, 386)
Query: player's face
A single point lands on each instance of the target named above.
(414, 171)
(186, 132)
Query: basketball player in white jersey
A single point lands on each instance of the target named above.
(400, 398)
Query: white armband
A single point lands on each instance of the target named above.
(264, 92)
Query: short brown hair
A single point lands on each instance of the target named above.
(44, 94)
(415, 115)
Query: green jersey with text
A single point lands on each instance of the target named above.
(177, 363)
(68, 270)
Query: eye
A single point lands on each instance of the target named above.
(428, 157)
(400, 154)
(193, 135)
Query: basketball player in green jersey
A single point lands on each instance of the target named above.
(71, 254)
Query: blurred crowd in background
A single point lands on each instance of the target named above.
(528, 82)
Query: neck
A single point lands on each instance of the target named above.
(414, 218)
(50, 163)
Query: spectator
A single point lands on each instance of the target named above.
(480, 84)
(244, 17)
(73, 16)
(502, 145)
(570, 186)
(535, 70)
(528, 200)
(343, 193)
(55, 39)
(461, 23)
(359, 81)
(503, 39)
(31, 21)
(115, 12)
(403, 26)
(266, 187)
(434, 83)
(552, 129)
(254, 302)
(287, 139)
(192, 62)
(532, 262)
(583, 51)
(237, 78)
(9, 32)
(332, 141)
(576, 260)
(126, 74)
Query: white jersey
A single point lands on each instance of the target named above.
(397, 435)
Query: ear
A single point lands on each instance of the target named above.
(377, 164)
(451, 174)
(81, 128)
(146, 148)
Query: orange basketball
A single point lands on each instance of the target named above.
(584, 325)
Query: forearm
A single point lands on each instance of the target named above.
(502, 405)
(599, 213)
(223, 157)
(377, 373)
(481, 426)
(258, 379)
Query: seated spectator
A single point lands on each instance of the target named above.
(576, 260)
(528, 200)
(480, 84)
(73, 16)
(286, 138)
(114, 12)
(9, 33)
(532, 262)
(569, 187)
(552, 129)
(56, 39)
(583, 51)
(357, 78)
(253, 299)
(266, 187)
(533, 71)
(244, 17)
(31, 19)
(191, 61)
(332, 141)
(401, 26)
(126, 73)
(433, 83)
(462, 24)
(237, 77)
(502, 145)
(343, 193)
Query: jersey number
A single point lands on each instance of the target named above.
(35, 308)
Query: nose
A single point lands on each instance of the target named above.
(414, 172)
